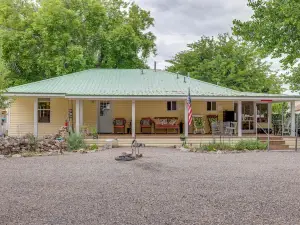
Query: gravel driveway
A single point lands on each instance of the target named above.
(164, 187)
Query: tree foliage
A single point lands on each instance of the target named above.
(46, 38)
(273, 28)
(227, 62)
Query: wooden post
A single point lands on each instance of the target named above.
(293, 122)
(133, 119)
(81, 113)
(77, 116)
(35, 117)
(186, 120)
(240, 118)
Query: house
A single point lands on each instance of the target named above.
(96, 97)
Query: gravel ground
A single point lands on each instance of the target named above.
(164, 187)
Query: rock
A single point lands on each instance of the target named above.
(2, 156)
(219, 152)
(16, 156)
(182, 149)
(82, 151)
(52, 153)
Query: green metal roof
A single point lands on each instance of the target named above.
(127, 82)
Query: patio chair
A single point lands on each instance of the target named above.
(146, 123)
(215, 128)
(199, 125)
(287, 127)
(228, 129)
(119, 123)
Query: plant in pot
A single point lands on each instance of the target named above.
(94, 133)
(183, 139)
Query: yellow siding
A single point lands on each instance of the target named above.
(153, 109)
(21, 113)
(59, 114)
(200, 108)
(21, 117)
(89, 113)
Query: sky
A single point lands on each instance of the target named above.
(180, 22)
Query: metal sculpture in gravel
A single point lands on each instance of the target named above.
(135, 152)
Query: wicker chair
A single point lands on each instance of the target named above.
(146, 123)
(119, 123)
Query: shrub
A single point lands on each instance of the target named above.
(32, 142)
(250, 145)
(93, 147)
(75, 141)
(215, 147)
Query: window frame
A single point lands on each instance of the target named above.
(172, 103)
(211, 106)
(39, 110)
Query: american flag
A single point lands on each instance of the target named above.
(189, 105)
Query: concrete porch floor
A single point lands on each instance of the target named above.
(170, 140)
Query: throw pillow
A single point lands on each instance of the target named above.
(172, 121)
(146, 122)
(163, 121)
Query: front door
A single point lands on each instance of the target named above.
(105, 119)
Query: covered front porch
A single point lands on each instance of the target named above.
(146, 117)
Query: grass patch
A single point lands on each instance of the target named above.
(241, 145)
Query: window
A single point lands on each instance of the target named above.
(44, 110)
(211, 106)
(172, 106)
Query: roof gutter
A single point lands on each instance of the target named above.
(8, 94)
(210, 98)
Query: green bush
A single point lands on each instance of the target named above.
(241, 145)
(75, 142)
(215, 147)
(93, 147)
(32, 142)
(250, 145)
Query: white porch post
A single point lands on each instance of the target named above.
(81, 113)
(240, 118)
(186, 119)
(255, 117)
(77, 128)
(269, 116)
(293, 125)
(35, 117)
(133, 119)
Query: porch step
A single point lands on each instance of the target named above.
(279, 147)
(265, 138)
(164, 142)
(276, 143)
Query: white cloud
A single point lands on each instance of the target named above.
(179, 22)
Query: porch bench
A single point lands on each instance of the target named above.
(165, 123)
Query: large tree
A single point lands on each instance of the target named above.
(274, 29)
(227, 62)
(46, 38)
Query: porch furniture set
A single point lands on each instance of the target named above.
(167, 124)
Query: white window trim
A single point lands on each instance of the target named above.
(172, 110)
(39, 100)
(211, 106)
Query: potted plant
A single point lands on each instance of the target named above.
(94, 133)
(182, 137)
